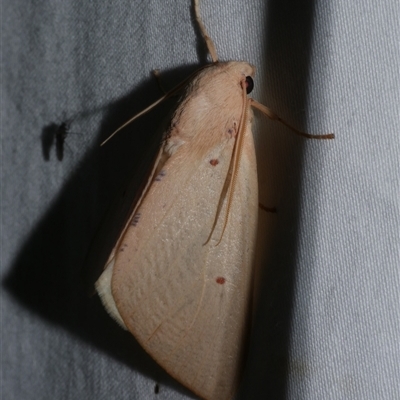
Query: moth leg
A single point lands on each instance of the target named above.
(270, 114)
(268, 209)
(157, 76)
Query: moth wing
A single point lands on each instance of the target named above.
(187, 300)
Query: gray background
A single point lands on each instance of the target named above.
(327, 321)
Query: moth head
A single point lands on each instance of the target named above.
(240, 73)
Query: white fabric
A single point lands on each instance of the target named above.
(328, 321)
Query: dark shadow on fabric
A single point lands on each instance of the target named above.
(289, 29)
(48, 138)
(46, 275)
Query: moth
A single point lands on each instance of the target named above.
(180, 276)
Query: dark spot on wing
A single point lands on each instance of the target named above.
(220, 280)
(160, 175)
(231, 131)
(214, 162)
(122, 248)
(135, 219)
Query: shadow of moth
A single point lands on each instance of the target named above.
(180, 276)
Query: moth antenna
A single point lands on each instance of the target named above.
(135, 117)
(270, 114)
(208, 40)
(235, 164)
(156, 103)
(236, 158)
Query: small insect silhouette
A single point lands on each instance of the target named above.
(55, 133)
(60, 135)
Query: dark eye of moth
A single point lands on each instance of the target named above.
(249, 84)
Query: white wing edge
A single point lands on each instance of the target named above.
(103, 288)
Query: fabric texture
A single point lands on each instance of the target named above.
(327, 321)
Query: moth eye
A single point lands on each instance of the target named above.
(249, 84)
